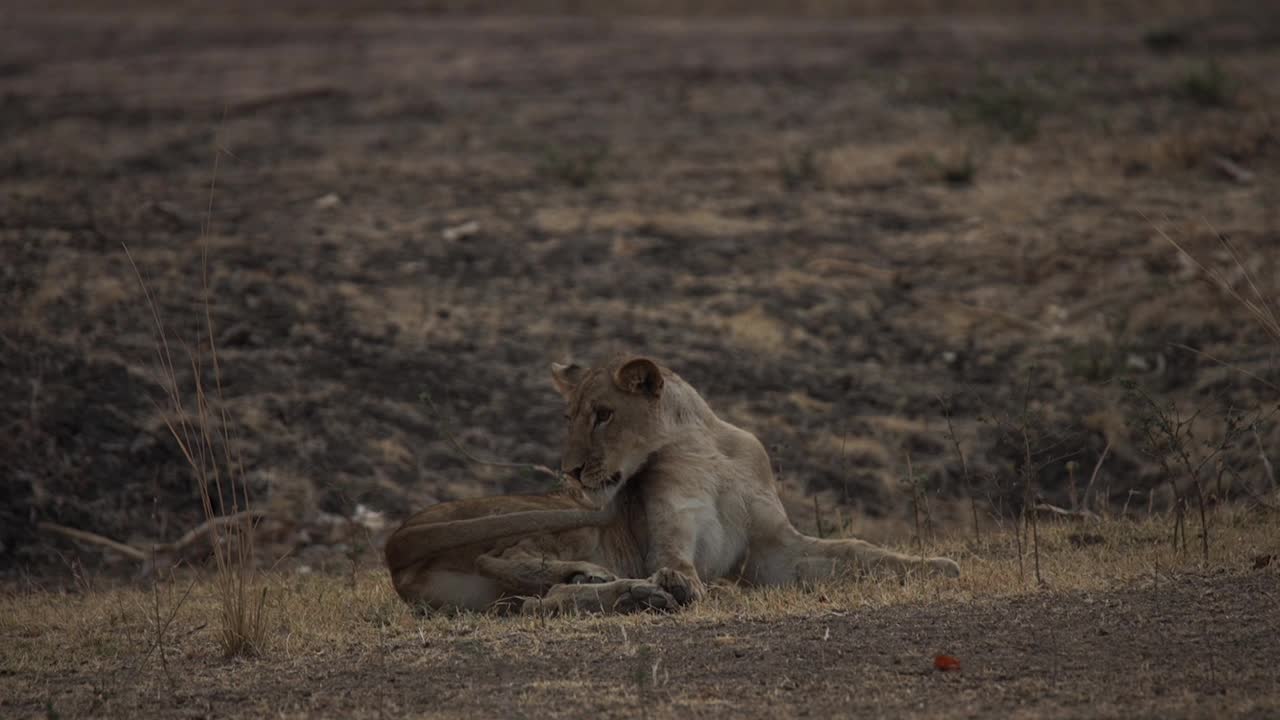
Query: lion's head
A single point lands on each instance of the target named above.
(615, 422)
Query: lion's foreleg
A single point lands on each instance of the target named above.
(673, 544)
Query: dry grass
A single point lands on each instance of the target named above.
(1241, 287)
(318, 613)
(346, 645)
(199, 423)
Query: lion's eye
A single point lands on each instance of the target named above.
(603, 415)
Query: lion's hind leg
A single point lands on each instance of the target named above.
(807, 559)
(620, 596)
(531, 574)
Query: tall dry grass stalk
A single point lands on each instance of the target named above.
(1263, 311)
(1253, 300)
(202, 429)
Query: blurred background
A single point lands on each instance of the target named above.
(844, 222)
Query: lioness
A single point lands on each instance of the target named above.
(663, 497)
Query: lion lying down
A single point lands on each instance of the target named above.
(672, 497)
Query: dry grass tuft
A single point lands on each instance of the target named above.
(203, 434)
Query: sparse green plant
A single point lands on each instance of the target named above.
(578, 166)
(1165, 39)
(1207, 85)
(642, 674)
(1093, 361)
(956, 170)
(1010, 107)
(798, 168)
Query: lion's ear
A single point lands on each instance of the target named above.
(566, 378)
(640, 376)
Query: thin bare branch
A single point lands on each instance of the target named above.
(1266, 461)
(964, 467)
(1045, 508)
(1084, 501)
(95, 539)
(458, 447)
(1224, 363)
(145, 555)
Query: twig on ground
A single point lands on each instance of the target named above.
(1228, 167)
(95, 539)
(1078, 514)
(157, 549)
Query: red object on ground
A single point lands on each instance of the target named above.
(946, 663)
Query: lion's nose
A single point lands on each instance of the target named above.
(575, 473)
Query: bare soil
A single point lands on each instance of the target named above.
(825, 225)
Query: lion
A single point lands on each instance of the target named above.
(662, 497)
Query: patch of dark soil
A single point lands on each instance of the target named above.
(625, 178)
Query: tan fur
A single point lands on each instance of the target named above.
(683, 498)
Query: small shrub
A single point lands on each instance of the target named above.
(1165, 40)
(1011, 108)
(799, 169)
(1207, 85)
(574, 166)
(956, 170)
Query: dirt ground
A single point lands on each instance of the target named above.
(833, 226)
(1123, 629)
(824, 224)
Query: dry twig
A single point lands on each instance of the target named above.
(150, 552)
(457, 446)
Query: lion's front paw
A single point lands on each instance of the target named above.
(685, 588)
(945, 567)
(644, 595)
